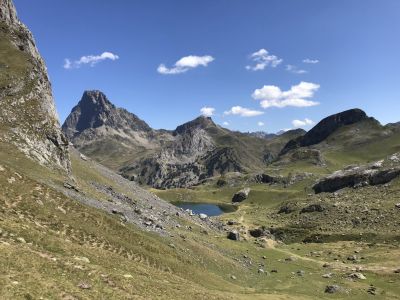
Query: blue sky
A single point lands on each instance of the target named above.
(244, 59)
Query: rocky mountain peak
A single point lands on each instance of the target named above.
(201, 122)
(95, 99)
(94, 110)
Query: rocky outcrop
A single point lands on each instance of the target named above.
(268, 179)
(28, 115)
(373, 174)
(241, 195)
(325, 128)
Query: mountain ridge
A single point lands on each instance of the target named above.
(193, 151)
(28, 117)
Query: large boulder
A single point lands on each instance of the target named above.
(241, 195)
(233, 235)
(356, 177)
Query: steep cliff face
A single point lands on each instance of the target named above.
(28, 116)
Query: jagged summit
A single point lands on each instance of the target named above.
(201, 122)
(326, 127)
(94, 110)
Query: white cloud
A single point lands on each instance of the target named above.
(295, 70)
(260, 124)
(225, 123)
(91, 60)
(243, 112)
(185, 64)
(207, 111)
(263, 59)
(297, 96)
(302, 123)
(310, 61)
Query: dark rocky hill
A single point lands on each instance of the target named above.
(325, 128)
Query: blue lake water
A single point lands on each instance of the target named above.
(210, 210)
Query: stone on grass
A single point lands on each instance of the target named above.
(241, 195)
(233, 235)
(331, 289)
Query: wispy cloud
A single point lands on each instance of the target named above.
(90, 60)
(310, 61)
(185, 64)
(243, 112)
(261, 124)
(295, 70)
(297, 96)
(302, 123)
(263, 59)
(207, 111)
(225, 123)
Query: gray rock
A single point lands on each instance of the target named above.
(300, 273)
(203, 216)
(356, 177)
(241, 195)
(84, 286)
(357, 276)
(313, 208)
(331, 289)
(233, 235)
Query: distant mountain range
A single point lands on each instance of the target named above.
(194, 151)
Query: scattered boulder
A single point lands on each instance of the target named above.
(268, 179)
(286, 209)
(357, 276)
(328, 275)
(233, 235)
(259, 232)
(203, 216)
(300, 273)
(241, 195)
(313, 208)
(331, 289)
(352, 258)
(84, 286)
(397, 205)
(231, 223)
